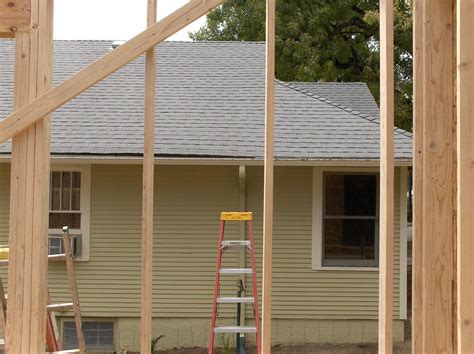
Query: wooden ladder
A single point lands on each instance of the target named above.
(53, 338)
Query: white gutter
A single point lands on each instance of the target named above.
(133, 160)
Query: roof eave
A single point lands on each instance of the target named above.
(207, 160)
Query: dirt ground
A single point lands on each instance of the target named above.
(400, 348)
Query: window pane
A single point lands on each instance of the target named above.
(58, 220)
(55, 179)
(66, 180)
(55, 199)
(106, 334)
(91, 333)
(66, 199)
(76, 199)
(76, 180)
(349, 239)
(66, 191)
(350, 195)
(55, 245)
(69, 335)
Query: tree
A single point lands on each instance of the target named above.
(323, 40)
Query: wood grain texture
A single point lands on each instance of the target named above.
(76, 306)
(14, 17)
(148, 192)
(387, 183)
(27, 278)
(242, 230)
(465, 175)
(268, 179)
(438, 193)
(417, 250)
(22, 118)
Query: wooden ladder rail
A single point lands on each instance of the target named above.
(3, 314)
(54, 344)
(73, 287)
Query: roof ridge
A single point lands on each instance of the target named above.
(340, 106)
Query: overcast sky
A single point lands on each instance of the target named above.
(111, 19)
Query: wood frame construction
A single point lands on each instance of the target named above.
(268, 178)
(417, 244)
(387, 182)
(443, 280)
(26, 318)
(15, 16)
(27, 273)
(465, 175)
(148, 191)
(435, 211)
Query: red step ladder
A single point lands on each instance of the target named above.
(241, 245)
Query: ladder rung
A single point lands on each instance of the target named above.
(61, 307)
(235, 329)
(236, 271)
(234, 245)
(235, 300)
(57, 257)
(51, 257)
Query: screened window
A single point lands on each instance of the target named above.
(350, 220)
(98, 335)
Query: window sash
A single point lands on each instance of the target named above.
(57, 190)
(349, 262)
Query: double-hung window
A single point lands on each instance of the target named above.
(69, 206)
(347, 223)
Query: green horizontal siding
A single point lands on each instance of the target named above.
(299, 291)
(188, 200)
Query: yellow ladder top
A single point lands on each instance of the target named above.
(4, 252)
(235, 215)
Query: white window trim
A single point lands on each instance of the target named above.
(85, 205)
(317, 226)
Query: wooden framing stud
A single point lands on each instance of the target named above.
(417, 244)
(435, 229)
(268, 179)
(27, 273)
(465, 176)
(148, 192)
(387, 185)
(14, 17)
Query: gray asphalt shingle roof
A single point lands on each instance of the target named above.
(210, 103)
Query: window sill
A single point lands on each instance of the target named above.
(345, 269)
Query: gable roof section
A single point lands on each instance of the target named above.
(210, 104)
(353, 95)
